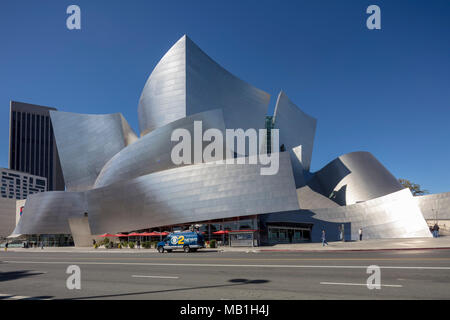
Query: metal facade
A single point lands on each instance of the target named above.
(187, 81)
(124, 183)
(85, 143)
(354, 177)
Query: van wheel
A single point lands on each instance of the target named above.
(186, 249)
(160, 249)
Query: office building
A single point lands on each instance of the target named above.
(18, 185)
(32, 147)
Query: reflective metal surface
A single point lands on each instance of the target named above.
(126, 184)
(354, 177)
(48, 212)
(189, 194)
(296, 129)
(310, 199)
(393, 216)
(187, 81)
(152, 152)
(86, 142)
(435, 206)
(180, 195)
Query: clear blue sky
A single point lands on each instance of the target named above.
(385, 91)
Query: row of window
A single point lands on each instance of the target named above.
(32, 144)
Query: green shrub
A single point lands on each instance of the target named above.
(146, 244)
(154, 244)
(212, 243)
(105, 241)
(125, 244)
(131, 244)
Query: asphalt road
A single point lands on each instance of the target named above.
(213, 275)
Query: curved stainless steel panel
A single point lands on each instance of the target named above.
(435, 206)
(393, 216)
(191, 193)
(48, 212)
(310, 199)
(353, 178)
(296, 129)
(86, 142)
(152, 152)
(163, 98)
(187, 81)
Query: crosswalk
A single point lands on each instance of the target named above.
(5, 296)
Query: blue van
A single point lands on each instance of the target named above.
(188, 241)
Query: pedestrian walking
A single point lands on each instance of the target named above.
(6, 246)
(435, 230)
(138, 244)
(360, 234)
(42, 245)
(324, 239)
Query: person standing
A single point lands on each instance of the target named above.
(6, 246)
(324, 238)
(360, 234)
(138, 243)
(42, 245)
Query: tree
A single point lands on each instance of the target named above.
(413, 187)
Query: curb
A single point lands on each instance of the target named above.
(350, 250)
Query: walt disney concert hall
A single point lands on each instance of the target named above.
(117, 181)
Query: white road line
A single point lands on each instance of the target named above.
(157, 277)
(220, 265)
(361, 284)
(19, 297)
(13, 297)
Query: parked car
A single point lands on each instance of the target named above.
(187, 241)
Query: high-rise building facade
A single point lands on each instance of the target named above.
(18, 185)
(32, 147)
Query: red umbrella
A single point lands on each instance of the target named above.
(154, 233)
(146, 234)
(164, 233)
(221, 232)
(107, 235)
(121, 235)
(134, 234)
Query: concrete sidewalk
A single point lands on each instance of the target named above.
(365, 245)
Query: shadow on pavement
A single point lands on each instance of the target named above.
(14, 275)
(234, 282)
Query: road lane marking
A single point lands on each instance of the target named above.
(157, 277)
(19, 297)
(221, 265)
(360, 284)
(14, 297)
